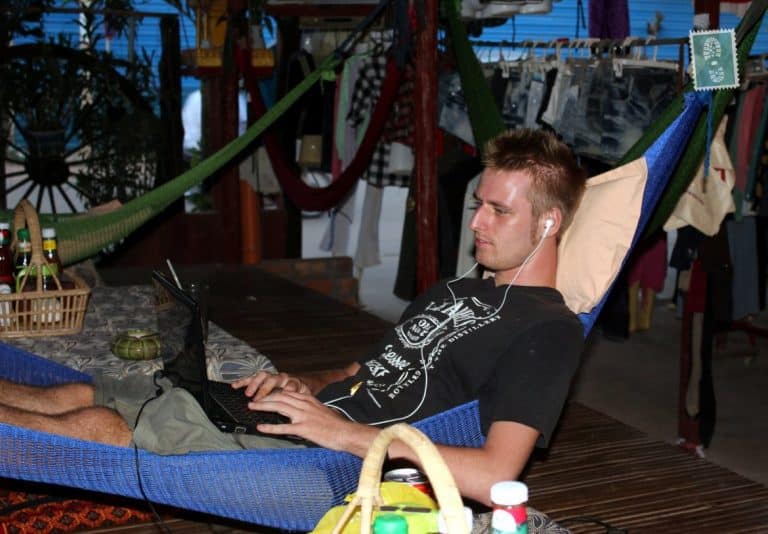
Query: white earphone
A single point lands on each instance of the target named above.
(549, 222)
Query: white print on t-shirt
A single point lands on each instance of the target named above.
(425, 336)
(420, 330)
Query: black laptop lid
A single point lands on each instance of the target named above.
(181, 337)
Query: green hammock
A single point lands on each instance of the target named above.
(83, 236)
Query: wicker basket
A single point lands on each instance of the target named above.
(368, 497)
(41, 313)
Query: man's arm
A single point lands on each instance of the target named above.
(475, 470)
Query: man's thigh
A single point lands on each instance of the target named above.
(174, 423)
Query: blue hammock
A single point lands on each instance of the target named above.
(285, 488)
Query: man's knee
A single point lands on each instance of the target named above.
(99, 424)
(67, 397)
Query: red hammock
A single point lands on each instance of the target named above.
(324, 198)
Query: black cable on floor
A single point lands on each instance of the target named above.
(609, 529)
(157, 519)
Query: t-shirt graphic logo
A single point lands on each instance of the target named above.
(421, 330)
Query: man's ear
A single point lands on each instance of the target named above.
(551, 222)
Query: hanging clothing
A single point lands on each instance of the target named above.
(365, 93)
(748, 126)
(608, 19)
(742, 240)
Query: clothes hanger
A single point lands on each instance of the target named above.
(619, 63)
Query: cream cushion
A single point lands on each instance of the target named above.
(593, 248)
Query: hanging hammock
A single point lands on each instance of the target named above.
(321, 199)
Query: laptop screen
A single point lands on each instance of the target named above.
(181, 338)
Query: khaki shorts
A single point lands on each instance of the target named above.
(173, 423)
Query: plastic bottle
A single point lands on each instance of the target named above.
(6, 257)
(51, 248)
(509, 514)
(390, 524)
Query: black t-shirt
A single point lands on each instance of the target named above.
(514, 348)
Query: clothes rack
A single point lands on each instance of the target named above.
(597, 44)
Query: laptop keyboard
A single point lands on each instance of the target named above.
(236, 404)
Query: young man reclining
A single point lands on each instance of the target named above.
(507, 340)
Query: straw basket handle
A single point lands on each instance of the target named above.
(25, 215)
(440, 477)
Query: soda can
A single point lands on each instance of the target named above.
(412, 477)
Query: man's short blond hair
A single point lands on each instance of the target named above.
(557, 180)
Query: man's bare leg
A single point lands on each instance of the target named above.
(94, 423)
(46, 400)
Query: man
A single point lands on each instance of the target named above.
(507, 340)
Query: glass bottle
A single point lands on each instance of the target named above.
(23, 249)
(23, 256)
(6, 257)
(509, 514)
(51, 248)
(46, 310)
(47, 282)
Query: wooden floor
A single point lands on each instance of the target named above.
(597, 471)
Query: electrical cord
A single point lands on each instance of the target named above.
(158, 520)
(609, 529)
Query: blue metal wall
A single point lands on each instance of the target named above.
(561, 22)
(147, 37)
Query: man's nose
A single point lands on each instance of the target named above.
(477, 218)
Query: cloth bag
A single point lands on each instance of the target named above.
(369, 497)
(708, 200)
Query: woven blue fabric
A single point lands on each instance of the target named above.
(289, 489)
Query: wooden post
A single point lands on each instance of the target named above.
(171, 160)
(250, 217)
(425, 130)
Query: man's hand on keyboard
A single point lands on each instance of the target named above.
(263, 383)
(313, 421)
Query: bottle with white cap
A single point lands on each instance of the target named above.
(509, 514)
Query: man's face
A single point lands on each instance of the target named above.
(503, 222)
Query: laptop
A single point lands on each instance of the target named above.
(183, 352)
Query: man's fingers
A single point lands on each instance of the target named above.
(263, 384)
